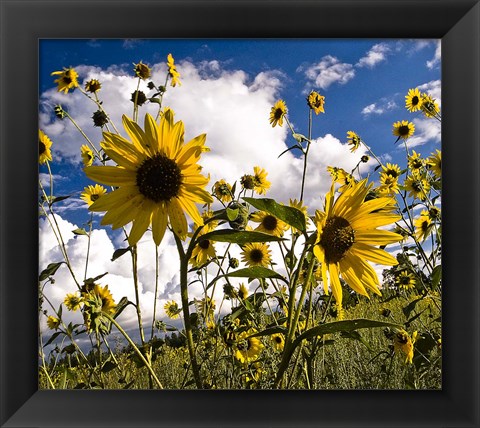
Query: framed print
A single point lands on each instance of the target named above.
(240, 209)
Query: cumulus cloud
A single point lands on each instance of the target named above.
(434, 89)
(435, 61)
(426, 130)
(328, 71)
(375, 55)
(379, 108)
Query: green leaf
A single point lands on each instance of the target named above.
(239, 237)
(69, 349)
(52, 338)
(121, 305)
(436, 276)
(120, 252)
(291, 216)
(232, 214)
(108, 366)
(49, 270)
(58, 199)
(270, 331)
(80, 232)
(255, 272)
(407, 310)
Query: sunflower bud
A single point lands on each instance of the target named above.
(248, 182)
(142, 70)
(93, 86)
(365, 158)
(99, 118)
(138, 97)
(242, 218)
(233, 263)
(59, 112)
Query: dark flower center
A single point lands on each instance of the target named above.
(405, 280)
(204, 245)
(392, 172)
(270, 222)
(417, 186)
(278, 113)
(256, 255)
(41, 147)
(159, 178)
(415, 100)
(403, 130)
(67, 80)
(94, 197)
(337, 238)
(278, 339)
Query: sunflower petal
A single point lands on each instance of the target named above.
(140, 226)
(177, 218)
(137, 136)
(335, 283)
(111, 175)
(373, 254)
(159, 224)
(114, 199)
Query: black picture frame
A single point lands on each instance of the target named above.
(23, 23)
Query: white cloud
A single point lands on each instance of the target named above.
(434, 89)
(328, 71)
(379, 108)
(426, 130)
(375, 55)
(435, 61)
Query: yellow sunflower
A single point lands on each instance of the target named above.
(402, 342)
(417, 187)
(277, 113)
(405, 280)
(388, 184)
(172, 310)
(340, 176)
(68, 79)
(392, 169)
(157, 176)
(316, 102)
(93, 86)
(142, 70)
(256, 254)
(53, 322)
(413, 100)
(209, 225)
(72, 302)
(172, 70)
(103, 297)
(260, 182)
(223, 191)
(278, 341)
(415, 161)
(44, 146)
(403, 129)
(93, 193)
(242, 292)
(269, 223)
(202, 252)
(353, 140)
(429, 106)
(301, 207)
(347, 237)
(435, 163)
(87, 155)
(248, 349)
(423, 226)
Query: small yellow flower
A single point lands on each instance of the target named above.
(172, 310)
(413, 100)
(222, 191)
(53, 322)
(353, 140)
(388, 185)
(248, 349)
(417, 187)
(72, 302)
(277, 113)
(87, 155)
(316, 102)
(429, 106)
(403, 129)
(278, 341)
(269, 223)
(142, 70)
(423, 226)
(435, 163)
(93, 86)
(172, 70)
(256, 254)
(261, 184)
(92, 193)
(44, 146)
(404, 343)
(392, 170)
(340, 176)
(405, 280)
(415, 162)
(68, 79)
(242, 292)
(202, 252)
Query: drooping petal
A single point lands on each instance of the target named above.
(373, 254)
(335, 283)
(159, 224)
(140, 226)
(177, 218)
(113, 199)
(111, 175)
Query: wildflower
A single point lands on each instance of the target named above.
(435, 163)
(339, 175)
(405, 280)
(172, 310)
(353, 140)
(203, 251)
(434, 213)
(403, 129)
(222, 191)
(206, 306)
(256, 254)
(346, 238)
(53, 322)
(261, 184)
(44, 146)
(93, 86)
(413, 100)
(92, 193)
(365, 158)
(278, 341)
(59, 112)
(138, 97)
(392, 170)
(268, 223)
(233, 263)
(142, 70)
(104, 298)
(388, 184)
(67, 79)
(415, 162)
(248, 349)
(209, 226)
(417, 187)
(429, 106)
(87, 155)
(99, 118)
(316, 102)
(423, 226)
(277, 113)
(301, 207)
(97, 300)
(242, 292)
(72, 302)
(404, 343)
(172, 71)
(248, 182)
(157, 176)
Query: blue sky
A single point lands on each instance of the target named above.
(228, 87)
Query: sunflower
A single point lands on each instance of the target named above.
(340, 176)
(44, 146)
(256, 254)
(402, 342)
(72, 302)
(353, 140)
(87, 155)
(268, 223)
(157, 176)
(278, 341)
(53, 322)
(142, 70)
(93, 86)
(405, 280)
(435, 163)
(301, 207)
(223, 191)
(172, 310)
(417, 186)
(413, 100)
(209, 226)
(346, 238)
(415, 162)
(316, 102)
(93, 193)
(277, 113)
(202, 252)
(68, 79)
(434, 213)
(392, 170)
(206, 307)
(260, 182)
(423, 226)
(388, 184)
(248, 349)
(403, 129)
(172, 71)
(429, 106)
(103, 297)
(242, 292)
